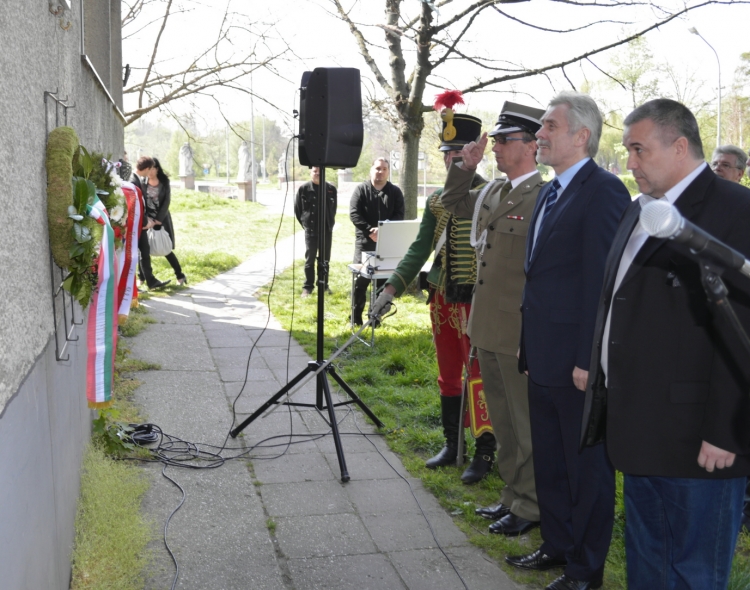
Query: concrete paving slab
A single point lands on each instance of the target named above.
(323, 536)
(171, 310)
(309, 497)
(176, 347)
(368, 464)
(392, 496)
(428, 569)
(402, 532)
(351, 572)
(294, 468)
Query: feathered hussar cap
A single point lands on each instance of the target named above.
(458, 128)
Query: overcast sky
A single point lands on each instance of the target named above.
(320, 40)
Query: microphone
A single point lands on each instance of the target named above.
(661, 219)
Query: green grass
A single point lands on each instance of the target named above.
(398, 380)
(111, 534)
(214, 234)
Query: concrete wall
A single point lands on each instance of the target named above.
(44, 422)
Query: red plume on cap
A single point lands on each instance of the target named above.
(447, 99)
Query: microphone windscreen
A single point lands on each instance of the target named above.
(660, 219)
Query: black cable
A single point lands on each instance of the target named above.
(166, 526)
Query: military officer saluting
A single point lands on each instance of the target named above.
(500, 215)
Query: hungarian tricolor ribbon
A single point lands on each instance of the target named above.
(128, 254)
(101, 330)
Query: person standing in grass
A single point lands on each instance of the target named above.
(451, 283)
(500, 216)
(373, 201)
(305, 210)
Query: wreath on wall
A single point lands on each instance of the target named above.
(76, 178)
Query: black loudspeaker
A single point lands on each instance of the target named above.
(330, 118)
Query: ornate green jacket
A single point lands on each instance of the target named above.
(454, 269)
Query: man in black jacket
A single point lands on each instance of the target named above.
(667, 374)
(305, 210)
(372, 201)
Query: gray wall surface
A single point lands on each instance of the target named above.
(44, 420)
(37, 56)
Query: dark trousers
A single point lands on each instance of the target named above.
(145, 271)
(311, 252)
(575, 489)
(360, 286)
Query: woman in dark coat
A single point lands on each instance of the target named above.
(157, 194)
(145, 272)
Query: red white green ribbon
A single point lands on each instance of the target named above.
(101, 330)
(128, 255)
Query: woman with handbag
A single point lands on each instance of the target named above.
(161, 240)
(145, 273)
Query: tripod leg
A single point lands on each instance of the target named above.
(355, 397)
(323, 384)
(271, 401)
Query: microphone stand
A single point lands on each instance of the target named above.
(320, 368)
(717, 293)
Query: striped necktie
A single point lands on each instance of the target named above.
(551, 200)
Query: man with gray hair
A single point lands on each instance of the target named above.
(729, 162)
(571, 231)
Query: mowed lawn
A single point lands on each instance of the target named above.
(214, 234)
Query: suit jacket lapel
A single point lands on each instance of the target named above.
(562, 203)
(627, 224)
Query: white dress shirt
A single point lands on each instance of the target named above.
(634, 245)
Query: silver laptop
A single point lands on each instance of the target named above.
(394, 239)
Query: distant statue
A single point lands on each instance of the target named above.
(244, 168)
(186, 160)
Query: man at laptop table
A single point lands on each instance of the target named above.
(373, 201)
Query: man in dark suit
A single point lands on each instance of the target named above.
(668, 376)
(571, 230)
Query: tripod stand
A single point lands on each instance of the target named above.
(319, 367)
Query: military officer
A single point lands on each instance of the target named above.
(500, 216)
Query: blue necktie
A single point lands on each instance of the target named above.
(551, 200)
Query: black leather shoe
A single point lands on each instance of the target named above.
(566, 583)
(477, 470)
(536, 561)
(512, 525)
(158, 284)
(493, 512)
(446, 456)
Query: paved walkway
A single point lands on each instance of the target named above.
(282, 519)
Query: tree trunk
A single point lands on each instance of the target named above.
(409, 178)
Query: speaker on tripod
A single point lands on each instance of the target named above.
(330, 118)
(331, 134)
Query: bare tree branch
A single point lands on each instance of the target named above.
(606, 74)
(153, 54)
(364, 51)
(585, 55)
(533, 26)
